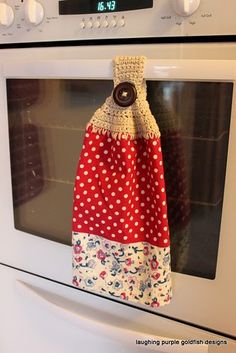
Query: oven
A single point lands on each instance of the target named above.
(55, 71)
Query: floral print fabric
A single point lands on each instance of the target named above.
(137, 272)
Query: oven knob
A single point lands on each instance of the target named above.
(185, 7)
(34, 12)
(6, 15)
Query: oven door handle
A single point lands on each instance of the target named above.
(64, 308)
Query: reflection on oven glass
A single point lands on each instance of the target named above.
(194, 119)
(47, 119)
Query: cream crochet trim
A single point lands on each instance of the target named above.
(131, 122)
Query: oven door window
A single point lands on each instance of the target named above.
(47, 120)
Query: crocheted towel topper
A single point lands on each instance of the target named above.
(120, 237)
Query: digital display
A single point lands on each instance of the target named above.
(106, 6)
(79, 7)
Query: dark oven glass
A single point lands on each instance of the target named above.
(47, 119)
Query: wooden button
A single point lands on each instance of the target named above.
(125, 94)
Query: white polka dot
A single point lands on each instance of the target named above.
(111, 206)
(115, 224)
(142, 192)
(126, 196)
(124, 208)
(122, 220)
(119, 231)
(165, 229)
(102, 232)
(131, 218)
(109, 186)
(110, 218)
(125, 238)
(74, 219)
(147, 235)
(130, 230)
(122, 176)
(108, 228)
(105, 152)
(117, 213)
(93, 207)
(109, 139)
(89, 200)
(155, 170)
(155, 156)
(91, 218)
(85, 222)
(162, 190)
(104, 171)
(96, 196)
(104, 210)
(93, 149)
(87, 135)
(86, 172)
(97, 215)
(89, 161)
(113, 235)
(79, 226)
(120, 189)
(81, 166)
(90, 228)
(115, 181)
(160, 162)
(142, 216)
(81, 185)
(141, 229)
(77, 197)
(123, 150)
(90, 143)
(155, 238)
(136, 198)
(144, 166)
(136, 224)
(126, 226)
(129, 156)
(81, 204)
(97, 156)
(143, 179)
(163, 203)
(159, 234)
(136, 236)
(136, 211)
(101, 144)
(154, 143)
(97, 137)
(161, 176)
(100, 203)
(93, 188)
(118, 201)
(147, 223)
(103, 222)
(164, 215)
(113, 194)
(127, 183)
(86, 211)
(97, 225)
(165, 241)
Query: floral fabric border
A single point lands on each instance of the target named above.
(137, 272)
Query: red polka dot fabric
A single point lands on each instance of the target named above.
(120, 190)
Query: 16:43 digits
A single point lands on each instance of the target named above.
(106, 6)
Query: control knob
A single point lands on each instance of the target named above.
(6, 15)
(34, 12)
(185, 7)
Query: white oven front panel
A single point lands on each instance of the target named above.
(37, 21)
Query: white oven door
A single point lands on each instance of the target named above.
(45, 105)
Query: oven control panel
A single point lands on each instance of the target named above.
(25, 21)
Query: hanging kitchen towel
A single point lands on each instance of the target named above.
(120, 234)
